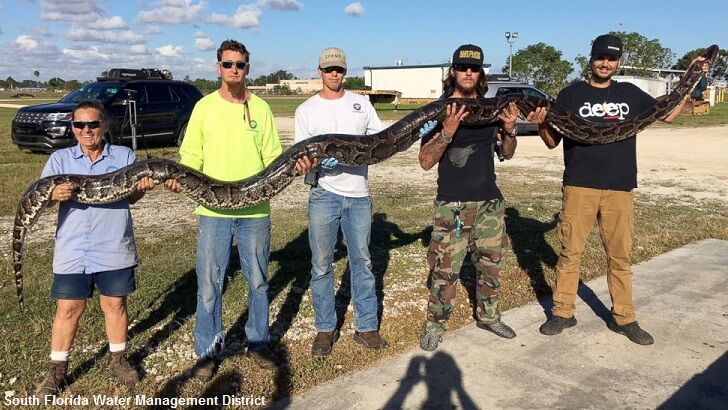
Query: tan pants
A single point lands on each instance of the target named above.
(614, 210)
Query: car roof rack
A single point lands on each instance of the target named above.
(128, 74)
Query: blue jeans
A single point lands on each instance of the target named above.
(326, 212)
(213, 254)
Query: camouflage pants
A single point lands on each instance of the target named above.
(482, 233)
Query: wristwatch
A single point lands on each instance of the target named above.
(511, 133)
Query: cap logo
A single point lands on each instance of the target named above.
(470, 54)
(613, 48)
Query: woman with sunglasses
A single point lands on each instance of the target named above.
(94, 248)
(469, 207)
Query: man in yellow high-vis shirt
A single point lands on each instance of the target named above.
(230, 136)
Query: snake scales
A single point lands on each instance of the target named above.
(348, 149)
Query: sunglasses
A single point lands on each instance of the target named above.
(328, 70)
(83, 124)
(465, 67)
(240, 65)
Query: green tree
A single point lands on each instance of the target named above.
(56, 82)
(72, 85)
(206, 86)
(11, 82)
(639, 52)
(282, 90)
(541, 65)
(187, 79)
(719, 69)
(355, 83)
(274, 78)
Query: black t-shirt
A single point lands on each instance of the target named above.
(466, 171)
(606, 166)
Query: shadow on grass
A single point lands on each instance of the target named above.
(528, 241)
(533, 252)
(293, 270)
(380, 248)
(442, 377)
(176, 303)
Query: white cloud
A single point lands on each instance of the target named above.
(87, 54)
(282, 4)
(139, 49)
(26, 42)
(354, 9)
(77, 33)
(112, 23)
(70, 10)
(202, 42)
(247, 16)
(154, 30)
(172, 12)
(42, 31)
(170, 51)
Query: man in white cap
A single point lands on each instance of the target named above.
(339, 198)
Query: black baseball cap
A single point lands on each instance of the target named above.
(607, 45)
(468, 54)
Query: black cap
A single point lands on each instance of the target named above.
(607, 45)
(468, 54)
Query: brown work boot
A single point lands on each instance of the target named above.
(323, 343)
(122, 370)
(205, 368)
(371, 340)
(54, 382)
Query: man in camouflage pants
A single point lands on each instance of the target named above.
(469, 208)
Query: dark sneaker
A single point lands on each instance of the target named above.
(370, 340)
(633, 331)
(431, 336)
(323, 343)
(556, 324)
(264, 358)
(54, 383)
(499, 328)
(205, 368)
(122, 370)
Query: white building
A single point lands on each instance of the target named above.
(413, 81)
(306, 86)
(652, 86)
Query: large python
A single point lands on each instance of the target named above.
(348, 149)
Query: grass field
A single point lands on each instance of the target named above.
(162, 309)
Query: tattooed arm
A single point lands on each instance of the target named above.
(431, 150)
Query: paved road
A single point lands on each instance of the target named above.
(681, 298)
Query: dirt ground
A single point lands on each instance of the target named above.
(684, 164)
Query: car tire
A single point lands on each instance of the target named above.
(181, 135)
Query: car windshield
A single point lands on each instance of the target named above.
(95, 91)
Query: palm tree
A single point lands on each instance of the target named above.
(36, 73)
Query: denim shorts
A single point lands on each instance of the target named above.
(77, 286)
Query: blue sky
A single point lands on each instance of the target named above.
(77, 39)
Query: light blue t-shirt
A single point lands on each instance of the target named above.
(92, 238)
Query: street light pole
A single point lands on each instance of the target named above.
(510, 38)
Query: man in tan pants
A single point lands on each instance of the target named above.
(598, 183)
